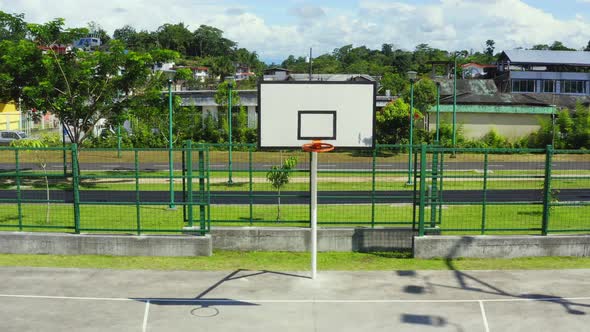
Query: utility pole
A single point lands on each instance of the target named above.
(310, 64)
(454, 107)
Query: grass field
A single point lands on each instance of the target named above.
(462, 219)
(293, 261)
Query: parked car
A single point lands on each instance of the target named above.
(7, 136)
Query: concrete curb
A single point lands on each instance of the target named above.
(509, 246)
(114, 245)
(298, 239)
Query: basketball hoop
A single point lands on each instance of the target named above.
(318, 146)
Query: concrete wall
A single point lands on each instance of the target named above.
(298, 239)
(476, 125)
(501, 246)
(115, 245)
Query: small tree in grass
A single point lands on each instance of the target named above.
(279, 176)
(36, 146)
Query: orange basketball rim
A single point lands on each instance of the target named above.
(318, 146)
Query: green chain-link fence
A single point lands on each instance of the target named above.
(500, 191)
(101, 190)
(438, 190)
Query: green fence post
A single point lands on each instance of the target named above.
(76, 185)
(547, 190)
(434, 190)
(18, 191)
(373, 188)
(250, 189)
(485, 193)
(440, 188)
(202, 198)
(189, 181)
(137, 198)
(422, 189)
(183, 177)
(207, 164)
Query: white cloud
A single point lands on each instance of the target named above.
(447, 24)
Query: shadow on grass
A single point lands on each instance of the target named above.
(6, 219)
(530, 213)
(397, 254)
(225, 185)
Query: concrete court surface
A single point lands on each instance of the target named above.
(49, 299)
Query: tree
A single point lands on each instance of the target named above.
(209, 41)
(490, 47)
(387, 49)
(12, 27)
(175, 37)
(559, 46)
(393, 123)
(580, 137)
(127, 35)
(21, 65)
(565, 127)
(424, 94)
(587, 48)
(278, 176)
(540, 47)
(395, 83)
(83, 87)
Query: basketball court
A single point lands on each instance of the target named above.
(293, 115)
(110, 300)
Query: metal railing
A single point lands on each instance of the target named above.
(503, 191)
(480, 191)
(100, 190)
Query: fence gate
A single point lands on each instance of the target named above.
(195, 188)
(428, 190)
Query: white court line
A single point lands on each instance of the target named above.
(546, 299)
(145, 315)
(485, 319)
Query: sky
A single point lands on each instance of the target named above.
(276, 29)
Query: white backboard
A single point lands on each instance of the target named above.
(295, 113)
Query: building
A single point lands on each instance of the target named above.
(89, 43)
(199, 73)
(10, 118)
(243, 72)
(276, 74)
(282, 74)
(481, 108)
(560, 77)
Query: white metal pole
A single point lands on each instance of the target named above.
(314, 213)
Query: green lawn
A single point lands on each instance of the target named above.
(292, 261)
(462, 219)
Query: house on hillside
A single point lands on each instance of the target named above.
(243, 72)
(199, 73)
(276, 74)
